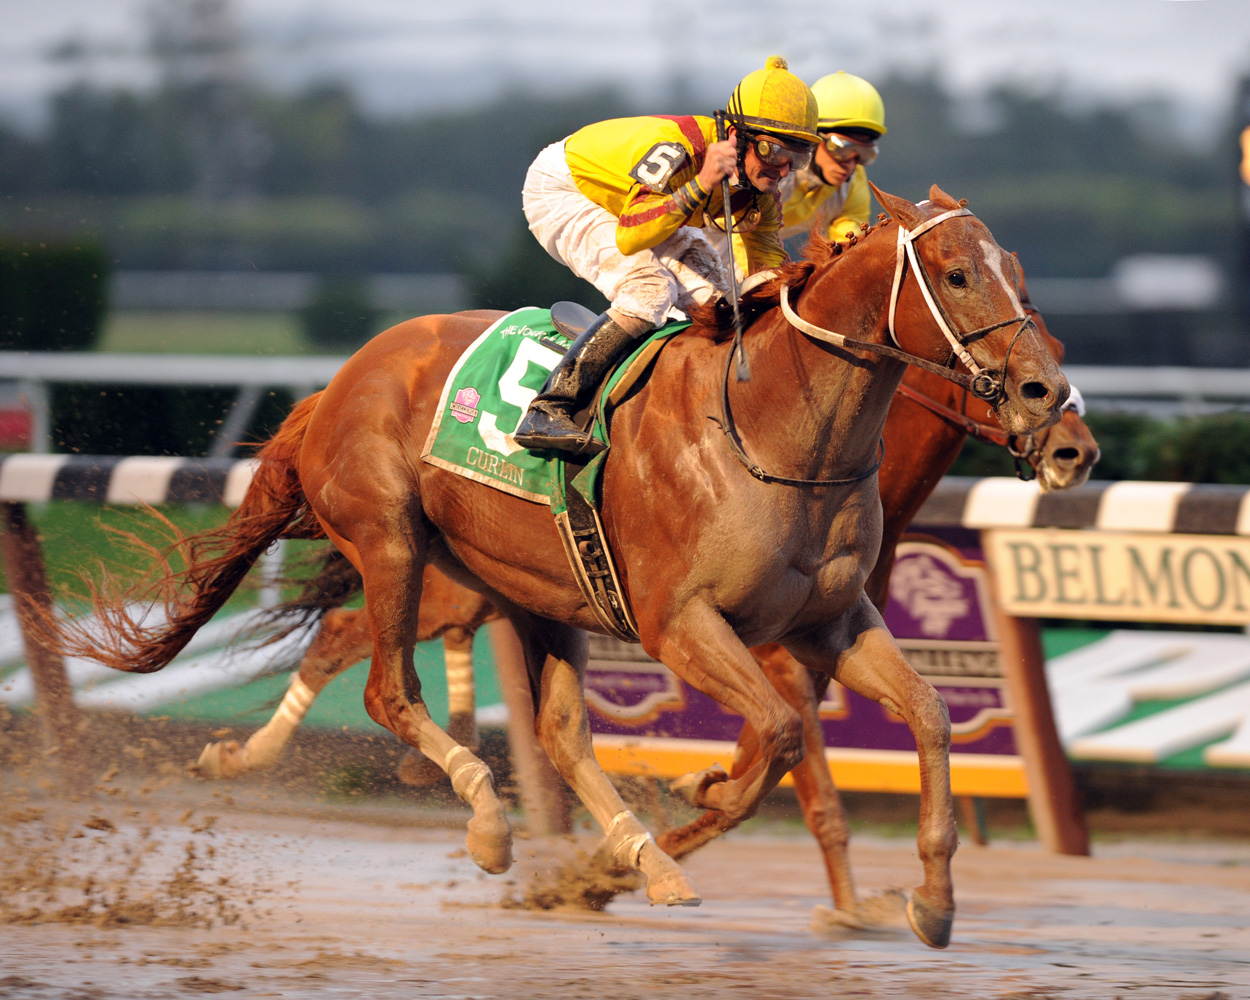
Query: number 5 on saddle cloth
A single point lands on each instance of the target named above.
(485, 396)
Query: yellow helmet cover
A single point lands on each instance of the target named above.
(848, 101)
(774, 100)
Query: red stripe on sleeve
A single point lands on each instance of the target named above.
(694, 135)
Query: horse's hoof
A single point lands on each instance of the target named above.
(932, 924)
(218, 760)
(693, 787)
(490, 849)
(673, 890)
(416, 769)
(667, 882)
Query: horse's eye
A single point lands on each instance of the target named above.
(957, 279)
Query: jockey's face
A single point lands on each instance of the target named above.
(834, 172)
(765, 172)
(835, 165)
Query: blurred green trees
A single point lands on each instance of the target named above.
(322, 186)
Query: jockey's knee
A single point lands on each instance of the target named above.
(635, 326)
(645, 297)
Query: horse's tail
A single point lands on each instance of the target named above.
(327, 580)
(214, 564)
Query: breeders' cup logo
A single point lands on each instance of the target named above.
(929, 593)
(464, 406)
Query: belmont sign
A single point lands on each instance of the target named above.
(1112, 576)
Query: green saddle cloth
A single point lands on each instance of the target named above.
(489, 390)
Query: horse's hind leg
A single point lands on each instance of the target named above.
(556, 655)
(392, 557)
(342, 639)
(418, 770)
(868, 661)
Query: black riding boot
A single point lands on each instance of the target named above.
(549, 421)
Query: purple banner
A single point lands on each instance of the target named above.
(939, 611)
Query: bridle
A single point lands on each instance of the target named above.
(982, 383)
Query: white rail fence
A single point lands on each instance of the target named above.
(27, 378)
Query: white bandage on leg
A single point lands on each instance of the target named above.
(460, 694)
(624, 816)
(468, 777)
(296, 701)
(626, 853)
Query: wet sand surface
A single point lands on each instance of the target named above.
(105, 901)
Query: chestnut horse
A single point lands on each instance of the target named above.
(928, 422)
(716, 552)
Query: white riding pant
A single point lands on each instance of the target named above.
(653, 285)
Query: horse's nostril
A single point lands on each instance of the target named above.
(1034, 390)
(1065, 455)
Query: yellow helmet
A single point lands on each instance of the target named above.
(848, 101)
(774, 100)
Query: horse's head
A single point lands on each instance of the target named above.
(958, 302)
(1063, 454)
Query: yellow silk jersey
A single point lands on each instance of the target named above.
(644, 171)
(809, 204)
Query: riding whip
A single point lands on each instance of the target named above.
(740, 354)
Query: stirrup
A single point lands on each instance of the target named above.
(542, 430)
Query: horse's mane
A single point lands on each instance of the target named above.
(715, 319)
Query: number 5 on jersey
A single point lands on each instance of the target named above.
(661, 162)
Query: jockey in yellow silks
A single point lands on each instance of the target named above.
(624, 204)
(830, 195)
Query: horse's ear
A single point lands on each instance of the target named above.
(942, 199)
(902, 210)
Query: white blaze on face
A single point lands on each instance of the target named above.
(994, 255)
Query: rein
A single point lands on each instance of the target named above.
(982, 432)
(983, 384)
(987, 433)
(735, 443)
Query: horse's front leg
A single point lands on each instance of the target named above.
(699, 646)
(861, 654)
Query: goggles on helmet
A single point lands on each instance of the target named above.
(843, 148)
(775, 153)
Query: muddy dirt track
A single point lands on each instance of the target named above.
(107, 899)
